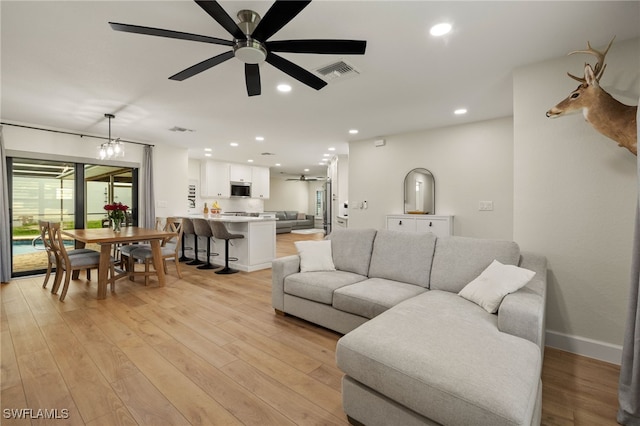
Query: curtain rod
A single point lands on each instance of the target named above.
(72, 133)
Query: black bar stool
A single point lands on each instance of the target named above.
(202, 229)
(189, 228)
(220, 232)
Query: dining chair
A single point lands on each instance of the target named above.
(74, 262)
(125, 249)
(170, 249)
(53, 260)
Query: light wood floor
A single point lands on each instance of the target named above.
(207, 349)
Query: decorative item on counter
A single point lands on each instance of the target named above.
(215, 208)
(115, 212)
(205, 211)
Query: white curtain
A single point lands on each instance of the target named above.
(5, 227)
(148, 200)
(629, 385)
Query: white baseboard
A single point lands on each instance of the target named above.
(583, 346)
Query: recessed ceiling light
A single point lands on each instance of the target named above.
(460, 111)
(259, 138)
(277, 164)
(207, 150)
(207, 155)
(306, 170)
(332, 149)
(284, 88)
(440, 29)
(353, 131)
(326, 155)
(234, 144)
(249, 160)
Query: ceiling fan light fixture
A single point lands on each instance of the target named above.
(250, 51)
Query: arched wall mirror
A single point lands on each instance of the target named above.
(419, 192)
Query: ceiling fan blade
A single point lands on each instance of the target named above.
(127, 28)
(277, 17)
(295, 71)
(216, 11)
(336, 47)
(252, 77)
(202, 66)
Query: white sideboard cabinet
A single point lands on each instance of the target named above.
(442, 226)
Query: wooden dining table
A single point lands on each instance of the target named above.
(107, 237)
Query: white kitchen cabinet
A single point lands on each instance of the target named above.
(260, 182)
(442, 226)
(239, 173)
(214, 180)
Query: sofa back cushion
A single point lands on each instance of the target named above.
(459, 260)
(280, 215)
(403, 256)
(351, 249)
(291, 214)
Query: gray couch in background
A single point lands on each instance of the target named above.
(288, 220)
(415, 352)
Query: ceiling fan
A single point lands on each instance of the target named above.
(250, 44)
(303, 178)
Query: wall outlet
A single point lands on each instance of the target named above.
(485, 206)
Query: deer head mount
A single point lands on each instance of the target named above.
(608, 116)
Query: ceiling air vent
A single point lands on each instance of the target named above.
(337, 70)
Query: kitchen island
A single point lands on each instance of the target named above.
(254, 252)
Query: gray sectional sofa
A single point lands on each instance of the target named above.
(288, 220)
(414, 351)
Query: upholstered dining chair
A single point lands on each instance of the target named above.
(170, 250)
(74, 262)
(53, 260)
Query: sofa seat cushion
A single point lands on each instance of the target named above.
(319, 286)
(403, 256)
(444, 358)
(372, 297)
(459, 260)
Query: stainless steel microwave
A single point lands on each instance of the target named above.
(241, 189)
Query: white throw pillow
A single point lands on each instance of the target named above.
(315, 256)
(494, 283)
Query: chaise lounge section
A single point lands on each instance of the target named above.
(415, 351)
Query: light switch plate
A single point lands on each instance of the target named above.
(485, 206)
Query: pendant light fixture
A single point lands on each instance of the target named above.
(112, 148)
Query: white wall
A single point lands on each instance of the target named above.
(575, 196)
(170, 164)
(470, 163)
(287, 195)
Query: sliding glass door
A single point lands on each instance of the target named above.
(40, 190)
(59, 191)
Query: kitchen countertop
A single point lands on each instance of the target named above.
(224, 218)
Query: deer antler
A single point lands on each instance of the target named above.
(598, 69)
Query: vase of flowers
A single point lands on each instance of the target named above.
(115, 212)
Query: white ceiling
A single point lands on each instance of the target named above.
(64, 67)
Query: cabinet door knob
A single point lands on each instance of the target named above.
(430, 223)
(400, 223)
